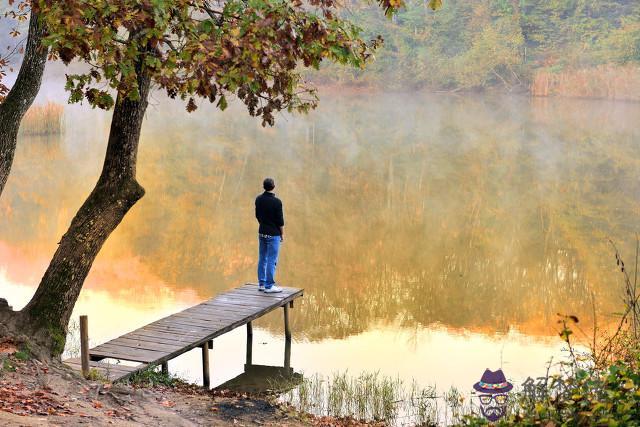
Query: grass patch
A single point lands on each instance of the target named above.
(43, 120)
(22, 355)
(8, 366)
(95, 375)
(153, 376)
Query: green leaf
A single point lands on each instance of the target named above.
(206, 26)
(222, 103)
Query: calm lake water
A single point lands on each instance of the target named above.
(434, 236)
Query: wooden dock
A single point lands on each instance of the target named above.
(158, 342)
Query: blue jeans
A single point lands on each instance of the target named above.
(267, 260)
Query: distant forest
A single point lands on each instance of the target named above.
(585, 48)
(488, 43)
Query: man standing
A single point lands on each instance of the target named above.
(270, 235)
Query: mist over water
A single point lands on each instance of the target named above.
(424, 228)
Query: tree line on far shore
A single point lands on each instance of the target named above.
(474, 45)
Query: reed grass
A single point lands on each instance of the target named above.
(42, 120)
(366, 397)
(614, 82)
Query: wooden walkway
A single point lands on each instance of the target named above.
(167, 338)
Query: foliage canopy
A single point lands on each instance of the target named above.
(195, 49)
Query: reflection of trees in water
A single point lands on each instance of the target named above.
(475, 213)
(480, 296)
(33, 208)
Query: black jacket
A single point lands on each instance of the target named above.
(269, 214)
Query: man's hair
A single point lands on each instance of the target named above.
(268, 184)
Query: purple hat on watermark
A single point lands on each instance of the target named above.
(493, 383)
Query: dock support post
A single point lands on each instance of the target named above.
(287, 354)
(165, 368)
(249, 343)
(84, 345)
(205, 366)
(287, 329)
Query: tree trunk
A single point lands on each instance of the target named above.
(21, 95)
(47, 315)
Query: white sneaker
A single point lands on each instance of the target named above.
(272, 290)
(261, 287)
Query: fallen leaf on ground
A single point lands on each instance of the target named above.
(7, 348)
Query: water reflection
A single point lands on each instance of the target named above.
(261, 379)
(477, 214)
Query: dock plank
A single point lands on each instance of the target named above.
(175, 329)
(222, 310)
(145, 345)
(186, 321)
(235, 304)
(111, 371)
(157, 335)
(127, 353)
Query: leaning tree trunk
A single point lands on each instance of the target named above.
(47, 315)
(21, 95)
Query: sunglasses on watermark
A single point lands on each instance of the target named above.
(493, 389)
